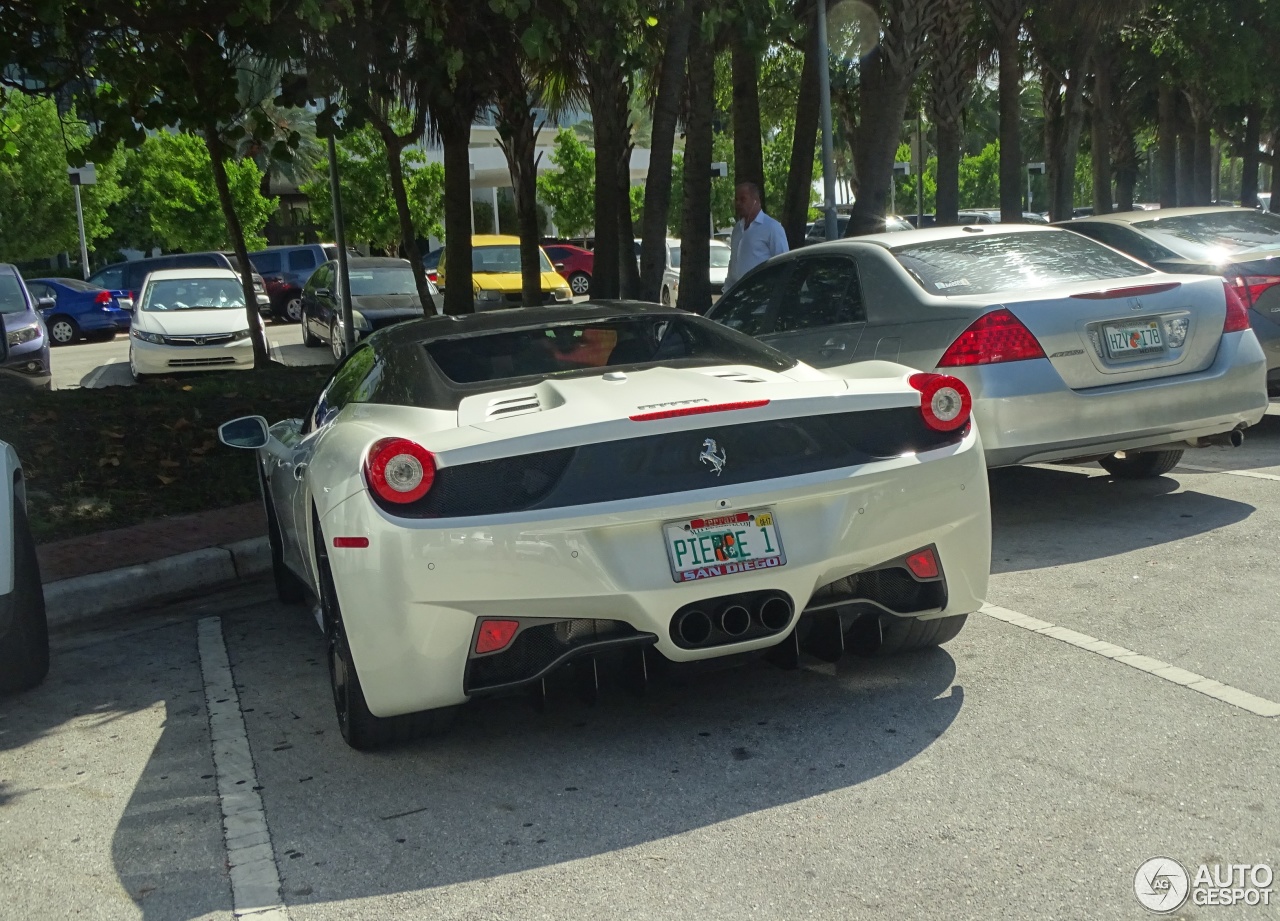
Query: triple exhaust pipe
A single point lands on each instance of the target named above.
(769, 613)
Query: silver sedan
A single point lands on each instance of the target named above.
(1072, 350)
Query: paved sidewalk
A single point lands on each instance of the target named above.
(129, 568)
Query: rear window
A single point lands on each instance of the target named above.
(266, 263)
(569, 347)
(984, 264)
(1219, 233)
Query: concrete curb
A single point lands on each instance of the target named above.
(70, 600)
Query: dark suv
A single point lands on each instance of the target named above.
(24, 330)
(128, 276)
(286, 270)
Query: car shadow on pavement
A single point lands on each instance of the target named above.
(509, 788)
(1051, 516)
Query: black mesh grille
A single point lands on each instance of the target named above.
(535, 648)
(668, 462)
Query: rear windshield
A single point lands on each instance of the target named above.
(382, 280)
(585, 345)
(11, 298)
(986, 263)
(1217, 234)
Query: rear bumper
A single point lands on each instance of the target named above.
(1028, 415)
(412, 599)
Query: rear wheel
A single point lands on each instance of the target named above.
(309, 339)
(24, 653)
(580, 283)
(62, 330)
(880, 635)
(293, 308)
(1142, 465)
(335, 341)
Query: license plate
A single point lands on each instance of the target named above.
(1134, 340)
(722, 545)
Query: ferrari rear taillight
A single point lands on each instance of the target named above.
(102, 297)
(945, 401)
(400, 471)
(495, 635)
(1237, 318)
(698, 410)
(994, 337)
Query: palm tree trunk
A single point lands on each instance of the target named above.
(1167, 154)
(217, 157)
(1124, 159)
(1011, 165)
(657, 192)
(1203, 169)
(455, 135)
(628, 269)
(883, 95)
(795, 207)
(748, 150)
(1063, 125)
(519, 142)
(1252, 138)
(1186, 163)
(1101, 126)
(605, 82)
(695, 231)
(408, 235)
(950, 138)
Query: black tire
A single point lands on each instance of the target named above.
(877, 636)
(289, 588)
(24, 653)
(1141, 466)
(62, 330)
(309, 340)
(580, 284)
(666, 297)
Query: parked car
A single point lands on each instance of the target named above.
(285, 269)
(1240, 244)
(817, 230)
(720, 253)
(24, 630)
(431, 262)
(80, 310)
(26, 337)
(129, 276)
(574, 264)
(190, 320)
(611, 481)
(495, 273)
(1072, 351)
(383, 292)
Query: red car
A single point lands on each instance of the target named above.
(575, 264)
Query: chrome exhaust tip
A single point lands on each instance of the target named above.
(774, 613)
(694, 627)
(735, 620)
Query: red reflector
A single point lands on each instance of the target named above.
(924, 563)
(351, 543)
(698, 410)
(1135, 291)
(1237, 319)
(102, 297)
(1256, 285)
(495, 634)
(994, 337)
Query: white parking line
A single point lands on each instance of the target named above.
(255, 880)
(1252, 474)
(95, 376)
(1251, 703)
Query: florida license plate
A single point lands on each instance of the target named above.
(1138, 339)
(722, 545)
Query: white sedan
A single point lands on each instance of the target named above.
(24, 631)
(477, 501)
(190, 320)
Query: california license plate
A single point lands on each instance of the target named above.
(1137, 339)
(722, 545)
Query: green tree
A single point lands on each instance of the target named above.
(368, 200)
(980, 178)
(175, 191)
(571, 189)
(37, 206)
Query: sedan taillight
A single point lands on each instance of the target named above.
(1237, 318)
(1252, 287)
(102, 297)
(945, 401)
(994, 337)
(399, 471)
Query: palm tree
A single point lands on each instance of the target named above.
(288, 153)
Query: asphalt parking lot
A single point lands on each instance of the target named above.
(1019, 772)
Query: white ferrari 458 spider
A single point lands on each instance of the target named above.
(477, 501)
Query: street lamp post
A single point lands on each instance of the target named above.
(340, 237)
(828, 154)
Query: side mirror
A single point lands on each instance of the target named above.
(559, 266)
(322, 292)
(249, 432)
(44, 303)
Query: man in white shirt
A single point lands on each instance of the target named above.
(756, 236)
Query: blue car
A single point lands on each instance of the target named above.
(79, 309)
(24, 332)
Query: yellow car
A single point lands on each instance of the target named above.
(495, 273)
